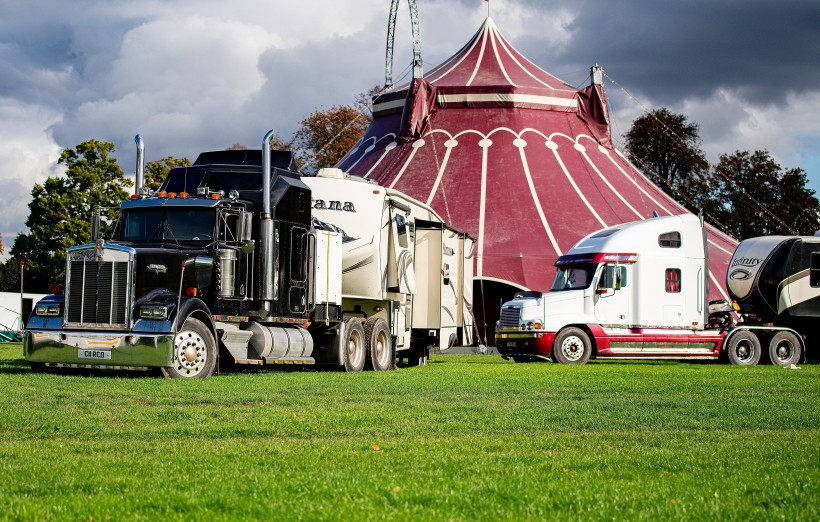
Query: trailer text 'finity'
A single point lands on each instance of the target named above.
(641, 290)
(240, 257)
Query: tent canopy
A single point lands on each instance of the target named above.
(507, 152)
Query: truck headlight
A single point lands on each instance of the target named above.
(47, 310)
(157, 313)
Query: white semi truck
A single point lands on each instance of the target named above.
(238, 259)
(640, 290)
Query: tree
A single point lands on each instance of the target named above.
(61, 210)
(155, 171)
(758, 198)
(324, 137)
(667, 147)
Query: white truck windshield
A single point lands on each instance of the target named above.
(169, 224)
(573, 277)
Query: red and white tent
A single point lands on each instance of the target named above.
(517, 158)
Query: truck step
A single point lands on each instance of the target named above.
(235, 340)
(290, 360)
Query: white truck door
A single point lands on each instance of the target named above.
(612, 298)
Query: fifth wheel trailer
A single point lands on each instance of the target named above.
(640, 290)
(239, 257)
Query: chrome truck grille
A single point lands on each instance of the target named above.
(98, 289)
(509, 317)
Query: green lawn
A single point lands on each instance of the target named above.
(465, 438)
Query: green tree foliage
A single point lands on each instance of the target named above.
(757, 197)
(155, 171)
(61, 210)
(666, 146)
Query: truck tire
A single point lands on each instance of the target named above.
(572, 346)
(785, 349)
(743, 349)
(380, 353)
(194, 352)
(354, 351)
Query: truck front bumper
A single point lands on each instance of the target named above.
(99, 349)
(516, 342)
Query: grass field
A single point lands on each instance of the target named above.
(465, 438)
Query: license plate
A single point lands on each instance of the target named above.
(94, 354)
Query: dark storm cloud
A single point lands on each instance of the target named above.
(669, 51)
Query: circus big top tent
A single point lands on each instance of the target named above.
(517, 158)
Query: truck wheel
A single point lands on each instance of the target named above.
(743, 349)
(353, 354)
(572, 346)
(194, 352)
(785, 349)
(380, 354)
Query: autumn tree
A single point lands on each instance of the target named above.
(155, 171)
(61, 210)
(324, 137)
(757, 197)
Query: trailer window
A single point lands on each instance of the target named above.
(673, 280)
(669, 240)
(814, 275)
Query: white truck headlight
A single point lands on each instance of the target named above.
(157, 313)
(49, 310)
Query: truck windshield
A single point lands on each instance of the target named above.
(573, 277)
(169, 224)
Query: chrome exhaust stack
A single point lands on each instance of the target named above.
(140, 170)
(267, 245)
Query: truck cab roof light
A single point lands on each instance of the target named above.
(216, 195)
(183, 195)
(161, 194)
(135, 196)
(172, 195)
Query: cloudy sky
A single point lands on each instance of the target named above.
(193, 76)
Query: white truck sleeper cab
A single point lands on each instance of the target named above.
(635, 290)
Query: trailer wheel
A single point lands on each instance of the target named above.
(572, 346)
(354, 353)
(194, 352)
(743, 349)
(380, 353)
(785, 349)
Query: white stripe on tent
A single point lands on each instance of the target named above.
(440, 174)
(503, 97)
(720, 288)
(535, 200)
(481, 211)
(387, 149)
(498, 58)
(617, 166)
(577, 190)
(384, 106)
(416, 146)
(480, 57)
(470, 50)
(608, 184)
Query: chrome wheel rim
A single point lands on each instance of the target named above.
(573, 348)
(382, 349)
(355, 348)
(744, 351)
(190, 354)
